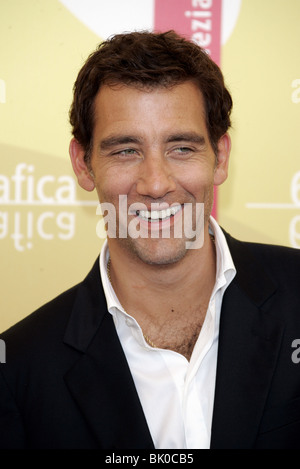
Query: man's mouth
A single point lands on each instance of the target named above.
(158, 215)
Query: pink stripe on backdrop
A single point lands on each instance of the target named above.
(198, 20)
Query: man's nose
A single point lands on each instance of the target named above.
(155, 177)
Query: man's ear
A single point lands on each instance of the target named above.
(83, 174)
(221, 169)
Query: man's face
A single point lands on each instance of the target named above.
(153, 148)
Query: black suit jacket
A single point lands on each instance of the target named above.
(66, 382)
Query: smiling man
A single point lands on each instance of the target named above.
(163, 160)
(180, 336)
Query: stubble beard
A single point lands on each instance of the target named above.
(155, 252)
(163, 251)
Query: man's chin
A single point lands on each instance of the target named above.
(157, 252)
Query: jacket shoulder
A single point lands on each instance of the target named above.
(44, 326)
(282, 257)
(279, 263)
(53, 314)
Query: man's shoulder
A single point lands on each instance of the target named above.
(280, 262)
(274, 252)
(277, 254)
(42, 325)
(50, 319)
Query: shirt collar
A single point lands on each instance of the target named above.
(112, 300)
(225, 270)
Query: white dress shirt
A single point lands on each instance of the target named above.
(177, 395)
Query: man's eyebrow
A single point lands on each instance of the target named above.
(115, 140)
(191, 137)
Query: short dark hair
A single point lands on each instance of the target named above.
(148, 60)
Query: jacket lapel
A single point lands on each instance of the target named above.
(249, 342)
(100, 381)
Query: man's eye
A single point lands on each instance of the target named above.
(126, 152)
(182, 150)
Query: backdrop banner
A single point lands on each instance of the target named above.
(198, 20)
(49, 236)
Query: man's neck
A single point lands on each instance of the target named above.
(159, 293)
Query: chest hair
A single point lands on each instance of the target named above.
(179, 335)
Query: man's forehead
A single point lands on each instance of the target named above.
(125, 113)
(146, 89)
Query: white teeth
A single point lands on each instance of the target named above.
(154, 215)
